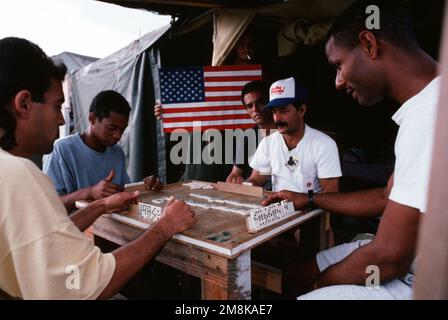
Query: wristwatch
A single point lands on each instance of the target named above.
(311, 203)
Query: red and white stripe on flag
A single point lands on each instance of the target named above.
(220, 106)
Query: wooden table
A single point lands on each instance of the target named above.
(224, 266)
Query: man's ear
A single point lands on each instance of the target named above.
(92, 118)
(369, 44)
(21, 104)
(303, 109)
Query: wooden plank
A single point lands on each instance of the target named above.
(432, 271)
(219, 273)
(326, 233)
(219, 232)
(181, 256)
(238, 284)
(136, 186)
(211, 291)
(221, 248)
(239, 189)
(212, 224)
(267, 277)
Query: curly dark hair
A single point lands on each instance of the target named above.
(107, 101)
(23, 66)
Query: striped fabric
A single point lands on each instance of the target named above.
(209, 97)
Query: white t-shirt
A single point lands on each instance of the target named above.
(413, 147)
(315, 157)
(43, 255)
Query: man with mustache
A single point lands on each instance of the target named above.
(298, 157)
(370, 65)
(90, 165)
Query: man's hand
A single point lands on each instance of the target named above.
(176, 217)
(120, 201)
(84, 217)
(235, 176)
(235, 179)
(130, 258)
(158, 111)
(153, 183)
(299, 200)
(105, 187)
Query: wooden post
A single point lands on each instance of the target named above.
(432, 262)
(267, 277)
(326, 233)
(238, 286)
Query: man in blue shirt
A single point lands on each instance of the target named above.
(90, 165)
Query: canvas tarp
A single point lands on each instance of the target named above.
(229, 25)
(73, 61)
(304, 21)
(311, 10)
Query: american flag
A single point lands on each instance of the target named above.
(211, 95)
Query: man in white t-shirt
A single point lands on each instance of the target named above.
(370, 65)
(43, 253)
(297, 157)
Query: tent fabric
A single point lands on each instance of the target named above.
(311, 10)
(228, 26)
(128, 71)
(299, 31)
(306, 20)
(190, 25)
(73, 61)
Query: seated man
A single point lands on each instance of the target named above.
(43, 253)
(297, 157)
(90, 165)
(370, 65)
(254, 97)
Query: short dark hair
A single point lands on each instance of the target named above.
(257, 85)
(23, 66)
(107, 101)
(396, 24)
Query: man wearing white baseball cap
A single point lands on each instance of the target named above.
(298, 157)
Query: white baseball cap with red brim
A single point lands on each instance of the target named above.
(286, 91)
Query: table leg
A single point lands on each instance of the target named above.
(238, 282)
(326, 233)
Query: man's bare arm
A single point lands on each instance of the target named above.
(84, 217)
(104, 188)
(329, 184)
(70, 199)
(392, 250)
(359, 204)
(129, 259)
